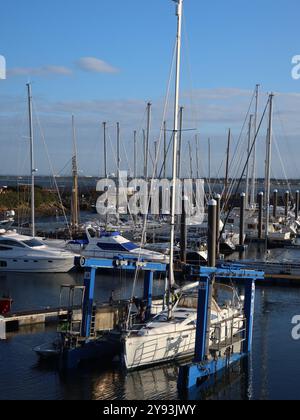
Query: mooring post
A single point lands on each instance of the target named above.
(286, 203)
(260, 215)
(242, 219)
(275, 203)
(148, 290)
(249, 314)
(88, 301)
(218, 218)
(297, 205)
(212, 233)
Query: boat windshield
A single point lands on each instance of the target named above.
(33, 243)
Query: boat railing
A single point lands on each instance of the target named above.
(228, 333)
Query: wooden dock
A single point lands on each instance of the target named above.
(13, 321)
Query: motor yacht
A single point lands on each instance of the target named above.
(20, 253)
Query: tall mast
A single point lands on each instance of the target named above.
(227, 168)
(175, 145)
(209, 162)
(253, 175)
(197, 156)
(32, 169)
(147, 139)
(118, 167)
(134, 155)
(105, 150)
(165, 149)
(75, 204)
(180, 142)
(155, 158)
(191, 161)
(248, 151)
(268, 165)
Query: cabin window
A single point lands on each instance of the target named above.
(11, 243)
(111, 247)
(3, 264)
(33, 243)
(5, 248)
(231, 221)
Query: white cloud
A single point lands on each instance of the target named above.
(95, 65)
(40, 71)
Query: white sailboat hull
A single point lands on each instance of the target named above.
(147, 350)
(142, 351)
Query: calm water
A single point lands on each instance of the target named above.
(273, 371)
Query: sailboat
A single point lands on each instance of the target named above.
(20, 253)
(171, 334)
(163, 339)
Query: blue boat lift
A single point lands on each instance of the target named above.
(204, 367)
(91, 265)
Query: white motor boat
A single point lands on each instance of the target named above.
(162, 339)
(26, 254)
(102, 244)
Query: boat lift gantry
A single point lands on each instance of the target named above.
(204, 368)
(125, 263)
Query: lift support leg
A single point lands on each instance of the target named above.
(87, 309)
(198, 372)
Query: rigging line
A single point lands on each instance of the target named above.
(238, 143)
(237, 171)
(282, 166)
(285, 136)
(159, 142)
(242, 130)
(126, 155)
(115, 160)
(235, 175)
(245, 166)
(194, 108)
(52, 169)
(66, 165)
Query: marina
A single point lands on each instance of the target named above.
(175, 273)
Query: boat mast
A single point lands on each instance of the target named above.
(75, 205)
(268, 166)
(118, 167)
(149, 105)
(197, 155)
(105, 150)
(175, 140)
(32, 169)
(248, 152)
(209, 163)
(191, 161)
(180, 142)
(227, 168)
(165, 149)
(253, 179)
(134, 155)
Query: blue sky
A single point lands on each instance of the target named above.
(104, 59)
